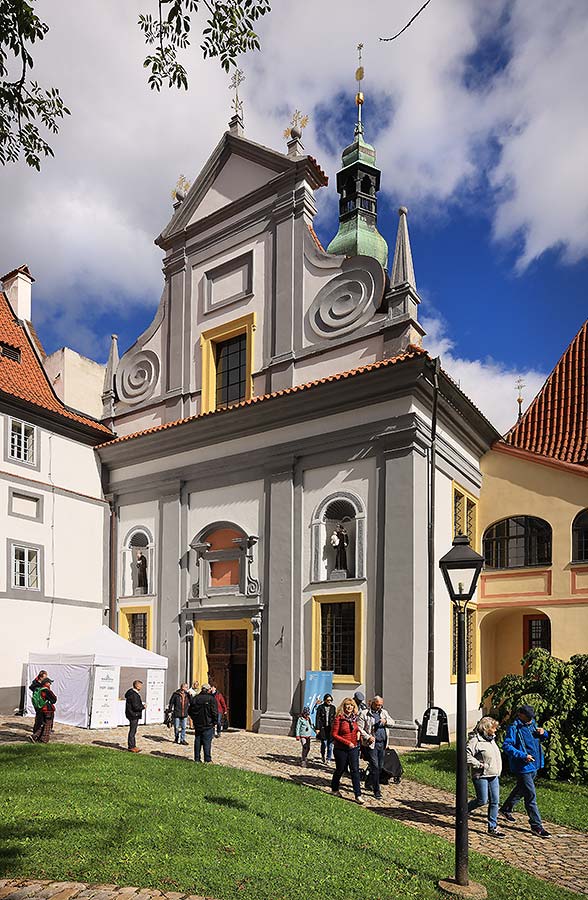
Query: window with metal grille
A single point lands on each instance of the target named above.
(138, 629)
(10, 352)
(464, 515)
(580, 537)
(22, 441)
(231, 371)
(470, 642)
(338, 638)
(25, 568)
(516, 542)
(538, 634)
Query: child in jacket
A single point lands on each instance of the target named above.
(304, 732)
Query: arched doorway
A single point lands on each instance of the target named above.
(506, 635)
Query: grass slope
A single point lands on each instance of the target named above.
(89, 814)
(559, 801)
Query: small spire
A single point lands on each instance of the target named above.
(402, 267)
(359, 73)
(293, 132)
(236, 121)
(109, 392)
(520, 384)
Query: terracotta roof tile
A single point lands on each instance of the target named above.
(320, 171)
(556, 422)
(26, 380)
(412, 353)
(315, 238)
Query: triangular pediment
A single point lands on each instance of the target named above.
(236, 168)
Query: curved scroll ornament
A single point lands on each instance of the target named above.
(138, 377)
(350, 299)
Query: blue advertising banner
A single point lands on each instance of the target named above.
(316, 685)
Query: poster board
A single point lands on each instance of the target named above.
(104, 711)
(316, 685)
(155, 696)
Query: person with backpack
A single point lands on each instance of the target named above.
(483, 755)
(37, 683)
(178, 707)
(522, 745)
(374, 723)
(44, 701)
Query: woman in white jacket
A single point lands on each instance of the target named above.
(483, 755)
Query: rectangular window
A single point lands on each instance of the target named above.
(22, 441)
(465, 509)
(25, 568)
(337, 636)
(231, 371)
(470, 643)
(537, 633)
(138, 629)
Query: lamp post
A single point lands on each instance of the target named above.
(461, 569)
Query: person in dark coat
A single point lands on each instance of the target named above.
(325, 715)
(133, 711)
(43, 729)
(179, 703)
(222, 708)
(204, 714)
(37, 683)
(522, 745)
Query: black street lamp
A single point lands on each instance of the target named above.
(461, 569)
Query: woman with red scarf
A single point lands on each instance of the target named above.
(345, 735)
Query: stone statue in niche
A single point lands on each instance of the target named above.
(141, 569)
(340, 543)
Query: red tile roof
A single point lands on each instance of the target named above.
(320, 171)
(556, 422)
(412, 353)
(315, 238)
(26, 380)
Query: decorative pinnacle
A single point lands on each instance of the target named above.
(359, 98)
(298, 122)
(181, 189)
(402, 265)
(237, 79)
(519, 385)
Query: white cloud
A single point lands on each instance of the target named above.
(487, 382)
(86, 224)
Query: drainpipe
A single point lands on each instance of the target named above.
(112, 566)
(431, 539)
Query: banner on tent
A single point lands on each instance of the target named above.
(316, 685)
(104, 713)
(155, 701)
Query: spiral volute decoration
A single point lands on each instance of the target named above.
(137, 378)
(349, 300)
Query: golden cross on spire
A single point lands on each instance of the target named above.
(237, 79)
(181, 189)
(298, 121)
(359, 73)
(520, 384)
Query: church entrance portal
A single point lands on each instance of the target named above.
(224, 658)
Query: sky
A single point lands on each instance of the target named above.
(478, 115)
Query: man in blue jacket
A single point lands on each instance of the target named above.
(522, 745)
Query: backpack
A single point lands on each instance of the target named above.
(38, 700)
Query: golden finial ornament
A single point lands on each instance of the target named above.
(237, 79)
(181, 189)
(298, 122)
(520, 384)
(359, 74)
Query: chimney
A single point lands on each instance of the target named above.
(17, 287)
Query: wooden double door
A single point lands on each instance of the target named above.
(226, 654)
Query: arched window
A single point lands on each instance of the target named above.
(518, 541)
(366, 185)
(338, 538)
(138, 559)
(224, 558)
(580, 537)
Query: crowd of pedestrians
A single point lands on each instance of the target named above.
(354, 730)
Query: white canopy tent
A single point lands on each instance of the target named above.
(87, 674)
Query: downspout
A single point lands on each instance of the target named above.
(431, 539)
(112, 553)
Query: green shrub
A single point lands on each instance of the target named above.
(559, 692)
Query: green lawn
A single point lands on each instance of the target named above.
(91, 814)
(559, 801)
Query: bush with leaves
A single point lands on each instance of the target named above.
(559, 692)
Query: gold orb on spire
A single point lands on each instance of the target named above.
(181, 189)
(298, 122)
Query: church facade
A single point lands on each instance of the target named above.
(289, 462)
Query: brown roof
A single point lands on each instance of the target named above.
(27, 380)
(411, 353)
(556, 422)
(315, 238)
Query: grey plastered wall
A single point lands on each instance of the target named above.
(277, 677)
(168, 605)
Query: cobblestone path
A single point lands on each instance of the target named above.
(563, 859)
(22, 889)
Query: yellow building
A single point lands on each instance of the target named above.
(533, 523)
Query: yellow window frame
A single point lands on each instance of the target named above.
(124, 622)
(466, 500)
(208, 341)
(355, 677)
(474, 675)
